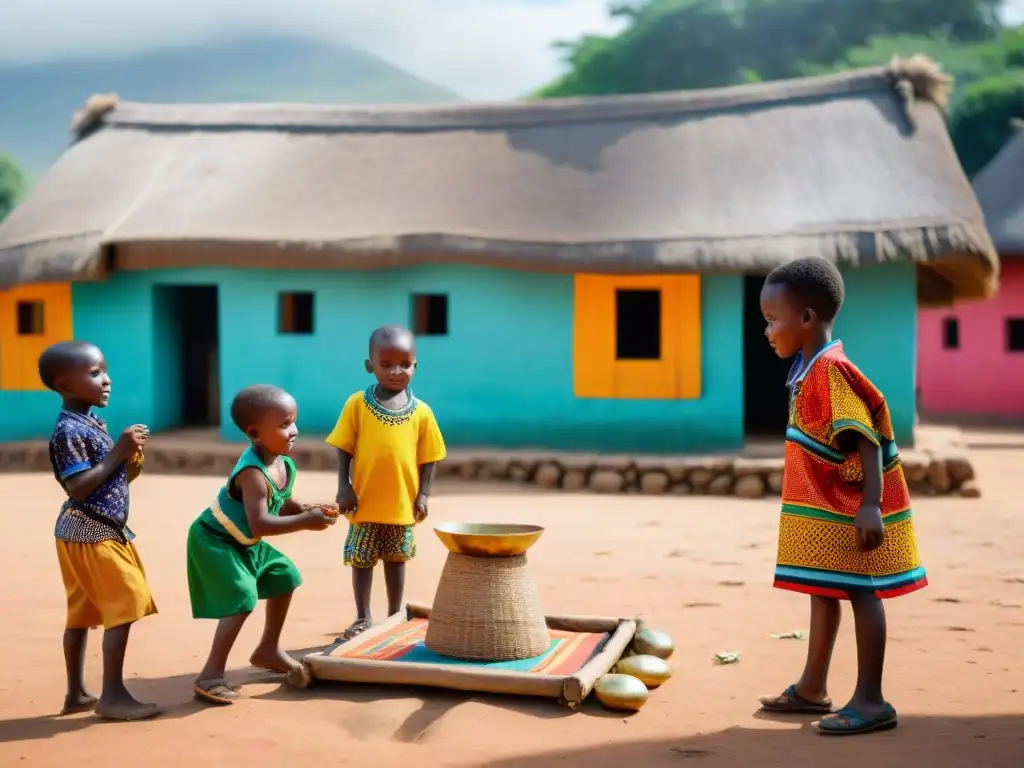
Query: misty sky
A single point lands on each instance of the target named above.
(483, 49)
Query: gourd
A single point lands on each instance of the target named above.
(621, 692)
(651, 642)
(650, 670)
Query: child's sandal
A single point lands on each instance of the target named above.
(216, 692)
(355, 630)
(792, 703)
(849, 722)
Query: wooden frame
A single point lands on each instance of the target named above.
(676, 375)
(569, 689)
(19, 353)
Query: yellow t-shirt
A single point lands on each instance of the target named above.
(387, 448)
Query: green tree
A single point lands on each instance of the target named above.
(989, 79)
(666, 45)
(12, 185)
(682, 44)
(982, 121)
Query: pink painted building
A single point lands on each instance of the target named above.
(971, 356)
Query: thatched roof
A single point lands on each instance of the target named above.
(856, 167)
(1000, 190)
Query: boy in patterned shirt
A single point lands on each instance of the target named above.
(388, 443)
(103, 576)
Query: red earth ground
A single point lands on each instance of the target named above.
(698, 568)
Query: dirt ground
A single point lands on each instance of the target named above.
(697, 568)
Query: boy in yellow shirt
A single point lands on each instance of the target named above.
(388, 442)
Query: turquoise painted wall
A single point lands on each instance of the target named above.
(167, 403)
(502, 377)
(27, 415)
(878, 326)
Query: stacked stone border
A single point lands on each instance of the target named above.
(946, 472)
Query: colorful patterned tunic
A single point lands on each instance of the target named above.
(823, 484)
(80, 441)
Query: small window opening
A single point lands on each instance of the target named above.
(1015, 334)
(637, 324)
(30, 318)
(295, 313)
(951, 333)
(430, 314)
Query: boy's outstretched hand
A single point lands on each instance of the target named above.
(419, 509)
(869, 527)
(318, 520)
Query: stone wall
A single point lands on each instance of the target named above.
(940, 471)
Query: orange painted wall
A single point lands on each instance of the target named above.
(19, 354)
(596, 372)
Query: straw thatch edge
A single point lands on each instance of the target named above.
(916, 78)
(92, 113)
(919, 78)
(956, 260)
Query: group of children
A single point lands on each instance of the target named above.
(388, 443)
(846, 530)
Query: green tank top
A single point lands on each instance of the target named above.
(227, 514)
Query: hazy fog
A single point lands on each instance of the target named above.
(488, 49)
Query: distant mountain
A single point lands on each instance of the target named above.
(37, 100)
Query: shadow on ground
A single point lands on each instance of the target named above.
(174, 694)
(928, 742)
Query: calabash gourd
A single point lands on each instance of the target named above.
(650, 670)
(651, 642)
(621, 692)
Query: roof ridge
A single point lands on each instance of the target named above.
(916, 77)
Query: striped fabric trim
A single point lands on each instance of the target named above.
(804, 440)
(832, 584)
(840, 425)
(844, 594)
(890, 454)
(75, 469)
(815, 577)
(799, 510)
(228, 525)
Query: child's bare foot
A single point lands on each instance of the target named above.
(121, 705)
(273, 659)
(82, 701)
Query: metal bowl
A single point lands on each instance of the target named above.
(488, 539)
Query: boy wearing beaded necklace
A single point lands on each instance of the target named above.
(388, 443)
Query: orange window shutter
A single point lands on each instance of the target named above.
(672, 373)
(32, 317)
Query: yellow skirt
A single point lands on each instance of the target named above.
(105, 584)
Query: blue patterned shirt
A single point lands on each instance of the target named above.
(80, 442)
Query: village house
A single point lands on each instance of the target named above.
(582, 274)
(972, 354)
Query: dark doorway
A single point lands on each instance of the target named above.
(187, 355)
(765, 398)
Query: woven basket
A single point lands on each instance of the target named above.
(487, 609)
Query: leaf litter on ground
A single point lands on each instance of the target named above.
(796, 634)
(727, 657)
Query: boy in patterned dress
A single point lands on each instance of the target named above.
(388, 443)
(846, 530)
(103, 576)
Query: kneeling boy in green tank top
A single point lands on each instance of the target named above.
(230, 566)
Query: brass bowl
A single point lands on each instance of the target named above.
(488, 539)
